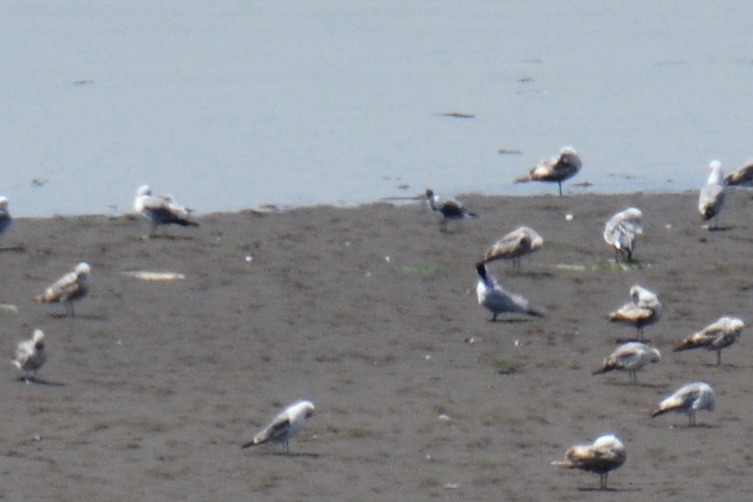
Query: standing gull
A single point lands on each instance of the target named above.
(31, 354)
(446, 209)
(285, 425)
(643, 310)
(711, 198)
(688, 400)
(716, 337)
(5, 218)
(621, 231)
(605, 454)
(555, 169)
(160, 210)
(514, 246)
(498, 301)
(742, 177)
(70, 287)
(630, 357)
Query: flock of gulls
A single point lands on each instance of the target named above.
(621, 233)
(159, 210)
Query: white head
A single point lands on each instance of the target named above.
(3, 202)
(143, 190)
(303, 407)
(609, 441)
(653, 354)
(83, 268)
(717, 176)
(569, 150)
(38, 336)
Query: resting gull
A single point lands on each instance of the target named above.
(621, 231)
(717, 336)
(161, 210)
(688, 400)
(605, 454)
(285, 425)
(446, 209)
(643, 310)
(498, 301)
(31, 354)
(555, 169)
(70, 287)
(630, 357)
(711, 198)
(5, 218)
(514, 246)
(742, 177)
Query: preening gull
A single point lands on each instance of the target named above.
(688, 400)
(5, 218)
(31, 354)
(742, 177)
(70, 287)
(498, 301)
(605, 454)
(630, 357)
(621, 231)
(514, 246)
(446, 209)
(711, 198)
(162, 210)
(555, 169)
(643, 310)
(717, 336)
(285, 425)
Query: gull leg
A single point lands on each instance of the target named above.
(559, 183)
(719, 357)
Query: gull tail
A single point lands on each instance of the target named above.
(604, 369)
(523, 179)
(249, 444)
(534, 313)
(563, 463)
(187, 223)
(658, 412)
(16, 363)
(685, 345)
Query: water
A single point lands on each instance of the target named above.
(229, 105)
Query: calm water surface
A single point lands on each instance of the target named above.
(229, 105)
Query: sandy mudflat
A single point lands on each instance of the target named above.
(372, 314)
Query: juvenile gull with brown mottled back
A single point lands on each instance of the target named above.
(643, 310)
(514, 246)
(285, 425)
(630, 357)
(716, 336)
(605, 454)
(31, 354)
(72, 286)
(555, 169)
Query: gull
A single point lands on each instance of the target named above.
(285, 425)
(446, 209)
(630, 357)
(717, 336)
(621, 231)
(643, 310)
(557, 168)
(711, 198)
(513, 246)
(71, 286)
(605, 454)
(688, 400)
(160, 210)
(5, 218)
(742, 177)
(498, 301)
(30, 354)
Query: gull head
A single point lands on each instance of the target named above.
(3, 202)
(38, 336)
(83, 268)
(568, 150)
(143, 190)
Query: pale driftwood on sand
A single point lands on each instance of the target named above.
(630, 357)
(284, 426)
(643, 310)
(555, 169)
(688, 400)
(605, 454)
(715, 337)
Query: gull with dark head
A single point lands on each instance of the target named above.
(284, 426)
(605, 454)
(72, 286)
(31, 354)
(717, 336)
(555, 169)
(514, 246)
(688, 400)
(161, 210)
(446, 209)
(643, 310)
(711, 198)
(630, 357)
(621, 232)
(498, 301)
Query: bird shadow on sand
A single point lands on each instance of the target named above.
(292, 455)
(86, 317)
(39, 381)
(686, 427)
(13, 248)
(611, 490)
(724, 228)
(639, 385)
(628, 340)
(510, 321)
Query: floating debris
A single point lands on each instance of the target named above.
(510, 151)
(146, 275)
(602, 265)
(7, 307)
(457, 115)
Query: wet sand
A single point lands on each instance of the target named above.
(371, 313)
